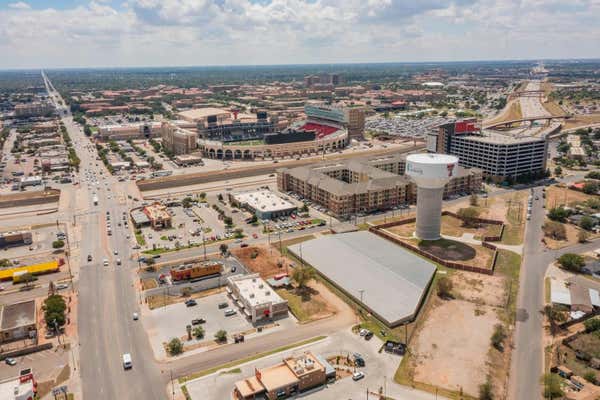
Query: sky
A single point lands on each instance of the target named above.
(122, 33)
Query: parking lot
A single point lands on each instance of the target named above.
(379, 371)
(166, 323)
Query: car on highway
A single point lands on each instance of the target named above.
(127, 362)
(105, 262)
(118, 261)
(89, 257)
(136, 316)
(190, 303)
(116, 252)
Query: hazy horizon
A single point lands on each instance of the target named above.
(187, 33)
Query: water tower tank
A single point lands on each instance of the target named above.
(430, 172)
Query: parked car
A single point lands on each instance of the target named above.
(369, 335)
(223, 305)
(358, 375)
(10, 361)
(229, 312)
(198, 321)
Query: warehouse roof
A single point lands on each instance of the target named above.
(393, 280)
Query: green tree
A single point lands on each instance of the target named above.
(238, 233)
(221, 336)
(54, 308)
(554, 230)
(552, 388)
(223, 248)
(558, 170)
(586, 223)
(228, 221)
(220, 197)
(302, 275)
(485, 391)
(175, 346)
(4, 263)
(304, 208)
(571, 262)
(444, 287)
(186, 202)
(582, 236)
(558, 214)
(469, 215)
(591, 188)
(592, 324)
(590, 376)
(198, 332)
(498, 336)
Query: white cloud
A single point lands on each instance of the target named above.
(20, 5)
(202, 32)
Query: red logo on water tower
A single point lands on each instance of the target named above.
(450, 168)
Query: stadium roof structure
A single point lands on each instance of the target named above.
(393, 281)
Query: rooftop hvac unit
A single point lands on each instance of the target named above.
(251, 295)
(267, 293)
(261, 286)
(253, 279)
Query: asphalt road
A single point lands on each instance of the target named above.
(527, 359)
(107, 297)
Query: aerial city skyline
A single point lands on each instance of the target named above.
(284, 199)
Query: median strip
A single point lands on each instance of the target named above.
(231, 364)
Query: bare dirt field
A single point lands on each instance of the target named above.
(451, 226)
(450, 250)
(448, 353)
(310, 304)
(581, 120)
(557, 196)
(480, 289)
(265, 260)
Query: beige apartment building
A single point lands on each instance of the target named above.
(365, 185)
(178, 140)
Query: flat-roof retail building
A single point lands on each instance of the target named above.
(264, 203)
(257, 300)
(390, 281)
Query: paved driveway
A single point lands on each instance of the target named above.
(379, 371)
(165, 323)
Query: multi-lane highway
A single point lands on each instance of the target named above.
(107, 297)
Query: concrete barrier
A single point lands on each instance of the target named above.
(29, 198)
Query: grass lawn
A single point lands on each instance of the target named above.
(139, 237)
(515, 218)
(508, 264)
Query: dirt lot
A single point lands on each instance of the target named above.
(451, 226)
(262, 259)
(557, 196)
(572, 232)
(450, 250)
(480, 289)
(447, 352)
(311, 304)
(581, 120)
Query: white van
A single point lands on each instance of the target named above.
(127, 364)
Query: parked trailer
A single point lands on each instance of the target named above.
(17, 273)
(196, 270)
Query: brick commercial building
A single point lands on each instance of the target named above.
(18, 321)
(158, 216)
(178, 140)
(364, 185)
(292, 376)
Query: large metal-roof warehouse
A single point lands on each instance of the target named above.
(393, 280)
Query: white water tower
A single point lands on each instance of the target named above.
(430, 172)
